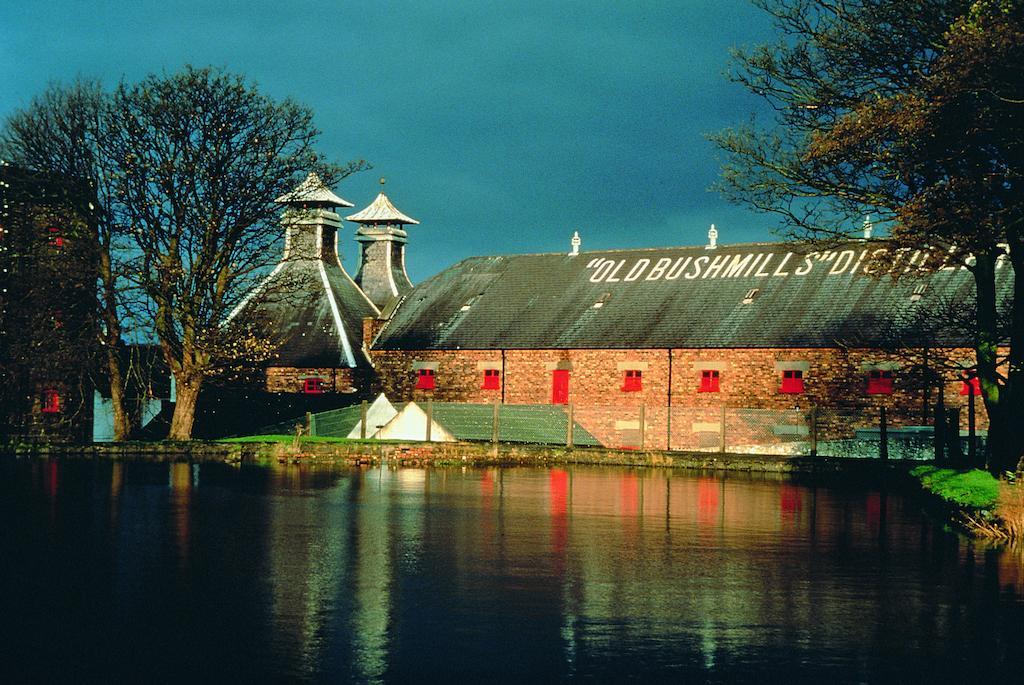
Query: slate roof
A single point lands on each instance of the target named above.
(814, 297)
(295, 304)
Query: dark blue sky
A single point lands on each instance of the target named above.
(502, 126)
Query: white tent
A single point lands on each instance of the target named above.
(411, 424)
(379, 413)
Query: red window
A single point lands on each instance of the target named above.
(879, 382)
(708, 381)
(633, 382)
(313, 386)
(971, 384)
(424, 379)
(492, 379)
(55, 239)
(51, 401)
(792, 381)
(560, 386)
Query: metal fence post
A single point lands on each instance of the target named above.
(721, 431)
(495, 422)
(362, 420)
(430, 417)
(883, 435)
(568, 426)
(814, 430)
(643, 424)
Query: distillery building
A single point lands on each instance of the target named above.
(762, 326)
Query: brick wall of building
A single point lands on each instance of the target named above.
(835, 383)
(292, 380)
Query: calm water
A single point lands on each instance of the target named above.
(186, 572)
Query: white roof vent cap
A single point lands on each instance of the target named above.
(712, 238)
(575, 242)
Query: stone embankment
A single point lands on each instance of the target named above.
(448, 454)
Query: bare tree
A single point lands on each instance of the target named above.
(201, 155)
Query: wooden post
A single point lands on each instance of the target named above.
(953, 447)
(814, 430)
(430, 417)
(568, 426)
(642, 425)
(495, 422)
(940, 426)
(362, 420)
(721, 431)
(883, 436)
(972, 450)
(310, 424)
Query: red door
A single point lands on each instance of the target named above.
(560, 386)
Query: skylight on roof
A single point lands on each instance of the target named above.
(919, 290)
(751, 294)
(601, 300)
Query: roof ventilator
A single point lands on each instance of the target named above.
(919, 290)
(601, 300)
(751, 294)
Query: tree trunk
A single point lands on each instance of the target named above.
(122, 423)
(1003, 446)
(187, 389)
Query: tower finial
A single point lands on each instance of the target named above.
(868, 227)
(575, 242)
(712, 238)
(382, 181)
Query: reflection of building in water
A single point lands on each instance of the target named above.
(333, 550)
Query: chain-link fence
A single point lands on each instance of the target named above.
(851, 431)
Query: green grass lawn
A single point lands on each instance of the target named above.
(974, 489)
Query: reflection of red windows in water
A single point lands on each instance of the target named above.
(707, 500)
(873, 508)
(51, 479)
(790, 501)
(629, 495)
(558, 488)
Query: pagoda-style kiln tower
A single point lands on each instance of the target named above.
(382, 236)
(312, 308)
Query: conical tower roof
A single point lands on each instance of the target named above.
(381, 211)
(313, 191)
